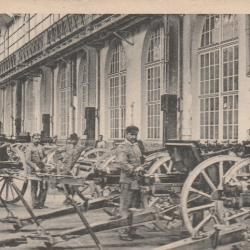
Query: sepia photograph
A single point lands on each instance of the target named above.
(124, 126)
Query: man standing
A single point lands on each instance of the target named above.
(34, 158)
(129, 158)
(72, 152)
(100, 143)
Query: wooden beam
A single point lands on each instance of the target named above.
(12, 241)
(109, 225)
(93, 204)
(233, 233)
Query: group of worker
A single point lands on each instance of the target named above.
(129, 158)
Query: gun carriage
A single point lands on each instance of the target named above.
(183, 181)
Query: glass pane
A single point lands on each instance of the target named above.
(236, 86)
(211, 72)
(202, 119)
(230, 83)
(235, 116)
(212, 86)
(236, 67)
(217, 86)
(225, 55)
(202, 61)
(224, 132)
(216, 103)
(236, 132)
(206, 87)
(230, 117)
(212, 58)
(217, 57)
(225, 84)
(207, 59)
(217, 72)
(236, 53)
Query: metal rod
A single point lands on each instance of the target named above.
(83, 219)
(26, 205)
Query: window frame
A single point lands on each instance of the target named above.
(147, 65)
(117, 69)
(220, 46)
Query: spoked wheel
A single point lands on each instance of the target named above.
(204, 188)
(236, 191)
(160, 165)
(92, 155)
(7, 192)
(239, 174)
(156, 170)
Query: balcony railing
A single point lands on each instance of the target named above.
(64, 28)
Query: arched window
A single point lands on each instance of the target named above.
(64, 101)
(117, 91)
(153, 70)
(218, 60)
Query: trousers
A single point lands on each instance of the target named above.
(129, 198)
(38, 192)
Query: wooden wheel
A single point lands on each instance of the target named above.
(236, 191)
(239, 173)
(92, 155)
(160, 165)
(204, 187)
(7, 193)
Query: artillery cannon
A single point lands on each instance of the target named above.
(179, 181)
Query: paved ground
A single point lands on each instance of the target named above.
(109, 239)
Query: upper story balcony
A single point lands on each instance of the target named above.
(68, 30)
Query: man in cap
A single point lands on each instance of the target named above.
(129, 158)
(72, 152)
(34, 158)
(100, 143)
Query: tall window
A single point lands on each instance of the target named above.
(219, 85)
(117, 91)
(154, 77)
(64, 100)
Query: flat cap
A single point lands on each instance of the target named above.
(132, 128)
(73, 136)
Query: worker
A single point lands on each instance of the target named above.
(100, 143)
(35, 156)
(72, 152)
(129, 158)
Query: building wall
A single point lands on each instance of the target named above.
(136, 83)
(133, 54)
(45, 90)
